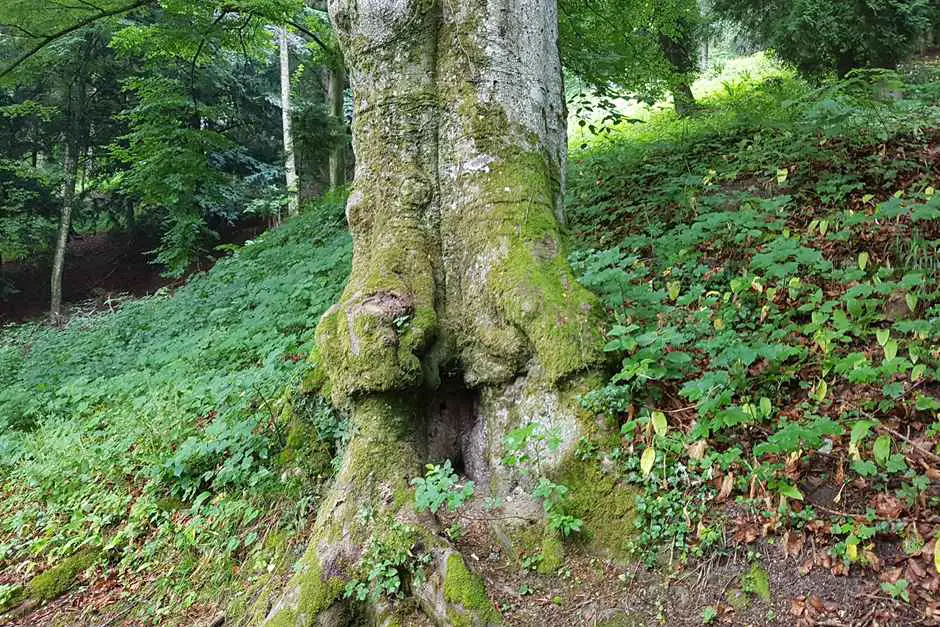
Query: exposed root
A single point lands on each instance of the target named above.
(368, 521)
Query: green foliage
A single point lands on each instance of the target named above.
(821, 36)
(526, 448)
(440, 486)
(389, 561)
(175, 404)
(733, 253)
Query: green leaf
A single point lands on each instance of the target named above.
(790, 491)
(860, 431)
(918, 372)
(660, 426)
(891, 350)
(882, 449)
(911, 300)
(674, 288)
(647, 461)
(883, 336)
(862, 261)
(822, 388)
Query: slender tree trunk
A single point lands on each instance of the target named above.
(459, 278)
(70, 163)
(290, 161)
(335, 99)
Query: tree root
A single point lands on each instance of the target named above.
(369, 538)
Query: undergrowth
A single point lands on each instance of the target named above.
(156, 433)
(770, 269)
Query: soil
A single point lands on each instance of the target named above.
(100, 269)
(589, 591)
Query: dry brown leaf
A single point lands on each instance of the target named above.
(727, 484)
(887, 506)
(697, 451)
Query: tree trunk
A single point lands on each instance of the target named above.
(679, 52)
(460, 299)
(335, 100)
(70, 163)
(290, 163)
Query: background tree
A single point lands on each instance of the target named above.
(822, 36)
(647, 49)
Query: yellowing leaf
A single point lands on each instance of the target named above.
(936, 552)
(782, 175)
(930, 191)
(862, 261)
(674, 288)
(659, 423)
(821, 390)
(882, 449)
(647, 461)
(883, 336)
(891, 350)
(823, 227)
(851, 552)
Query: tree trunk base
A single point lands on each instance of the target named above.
(368, 520)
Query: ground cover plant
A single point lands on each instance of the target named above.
(158, 438)
(768, 267)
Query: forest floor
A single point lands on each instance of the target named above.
(770, 268)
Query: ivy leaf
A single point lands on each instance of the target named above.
(882, 449)
(647, 461)
(660, 425)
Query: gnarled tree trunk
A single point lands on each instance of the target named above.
(460, 302)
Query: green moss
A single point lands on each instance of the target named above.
(553, 553)
(284, 618)
(305, 450)
(604, 504)
(55, 581)
(757, 582)
(737, 599)
(316, 591)
(466, 590)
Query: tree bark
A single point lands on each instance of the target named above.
(459, 276)
(335, 99)
(290, 161)
(70, 164)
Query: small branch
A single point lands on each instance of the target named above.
(69, 30)
(312, 36)
(916, 447)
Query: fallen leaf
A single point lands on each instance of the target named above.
(727, 484)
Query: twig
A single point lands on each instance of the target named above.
(69, 30)
(917, 447)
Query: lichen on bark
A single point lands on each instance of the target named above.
(459, 269)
